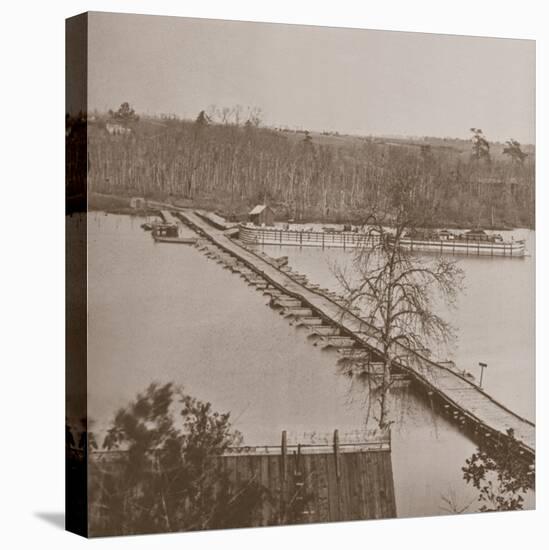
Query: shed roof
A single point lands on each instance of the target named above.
(258, 209)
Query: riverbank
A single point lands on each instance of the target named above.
(120, 204)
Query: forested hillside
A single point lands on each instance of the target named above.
(230, 167)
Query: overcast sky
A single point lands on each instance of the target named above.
(316, 78)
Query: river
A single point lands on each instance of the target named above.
(167, 313)
(494, 317)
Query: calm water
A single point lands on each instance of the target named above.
(167, 313)
(494, 317)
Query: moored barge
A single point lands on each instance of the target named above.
(472, 243)
(250, 234)
(475, 242)
(169, 233)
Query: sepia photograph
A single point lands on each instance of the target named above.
(300, 274)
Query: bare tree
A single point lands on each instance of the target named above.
(237, 114)
(254, 116)
(211, 112)
(452, 505)
(394, 286)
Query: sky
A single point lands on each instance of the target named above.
(315, 78)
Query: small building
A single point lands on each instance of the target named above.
(115, 129)
(138, 203)
(262, 215)
(445, 235)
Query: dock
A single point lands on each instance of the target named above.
(217, 221)
(463, 401)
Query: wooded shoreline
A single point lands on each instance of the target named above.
(305, 177)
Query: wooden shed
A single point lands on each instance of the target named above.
(262, 215)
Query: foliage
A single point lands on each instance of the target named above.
(76, 136)
(168, 476)
(501, 475)
(481, 146)
(202, 119)
(125, 114)
(514, 151)
(308, 139)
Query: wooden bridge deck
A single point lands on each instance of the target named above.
(168, 217)
(465, 398)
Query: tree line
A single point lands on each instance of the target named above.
(231, 162)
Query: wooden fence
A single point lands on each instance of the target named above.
(307, 482)
(319, 482)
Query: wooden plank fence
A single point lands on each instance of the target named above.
(350, 479)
